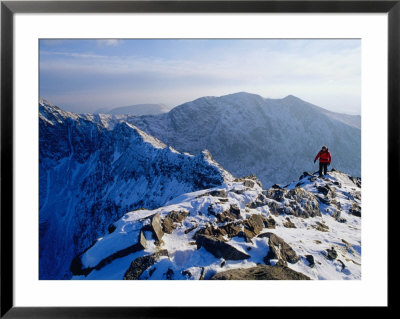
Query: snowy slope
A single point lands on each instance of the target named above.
(93, 169)
(271, 138)
(309, 229)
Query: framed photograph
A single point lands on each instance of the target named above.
(160, 155)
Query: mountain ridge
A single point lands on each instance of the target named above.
(248, 134)
(309, 229)
(94, 171)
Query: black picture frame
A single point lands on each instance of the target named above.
(9, 8)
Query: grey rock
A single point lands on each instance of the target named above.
(168, 224)
(310, 259)
(255, 223)
(220, 248)
(301, 203)
(111, 228)
(157, 228)
(279, 249)
(142, 242)
(140, 264)
(269, 222)
(288, 223)
(332, 254)
(355, 210)
(260, 272)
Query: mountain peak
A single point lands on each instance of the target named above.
(43, 102)
(291, 97)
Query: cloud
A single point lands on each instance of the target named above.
(74, 54)
(109, 42)
(323, 72)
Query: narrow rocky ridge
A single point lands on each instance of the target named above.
(309, 229)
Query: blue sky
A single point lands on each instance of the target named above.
(85, 75)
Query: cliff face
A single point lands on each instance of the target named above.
(93, 169)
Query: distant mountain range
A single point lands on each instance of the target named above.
(136, 110)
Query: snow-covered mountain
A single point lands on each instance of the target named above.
(271, 138)
(93, 169)
(136, 110)
(309, 229)
(118, 201)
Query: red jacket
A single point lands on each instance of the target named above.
(324, 157)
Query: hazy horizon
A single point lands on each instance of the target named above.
(84, 76)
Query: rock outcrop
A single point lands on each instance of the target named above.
(280, 250)
(140, 264)
(260, 272)
(219, 248)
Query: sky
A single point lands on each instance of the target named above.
(84, 75)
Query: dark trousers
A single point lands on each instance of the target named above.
(323, 166)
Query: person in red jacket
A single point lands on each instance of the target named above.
(324, 159)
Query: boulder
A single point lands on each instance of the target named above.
(303, 203)
(269, 222)
(235, 211)
(276, 194)
(356, 181)
(321, 227)
(279, 249)
(260, 201)
(156, 227)
(274, 208)
(231, 230)
(169, 274)
(324, 200)
(247, 234)
(331, 253)
(248, 181)
(226, 216)
(190, 229)
(254, 223)
(142, 242)
(218, 193)
(260, 272)
(288, 223)
(324, 189)
(140, 264)
(310, 260)
(177, 216)
(298, 202)
(168, 224)
(355, 210)
(111, 228)
(214, 193)
(211, 231)
(305, 174)
(219, 248)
